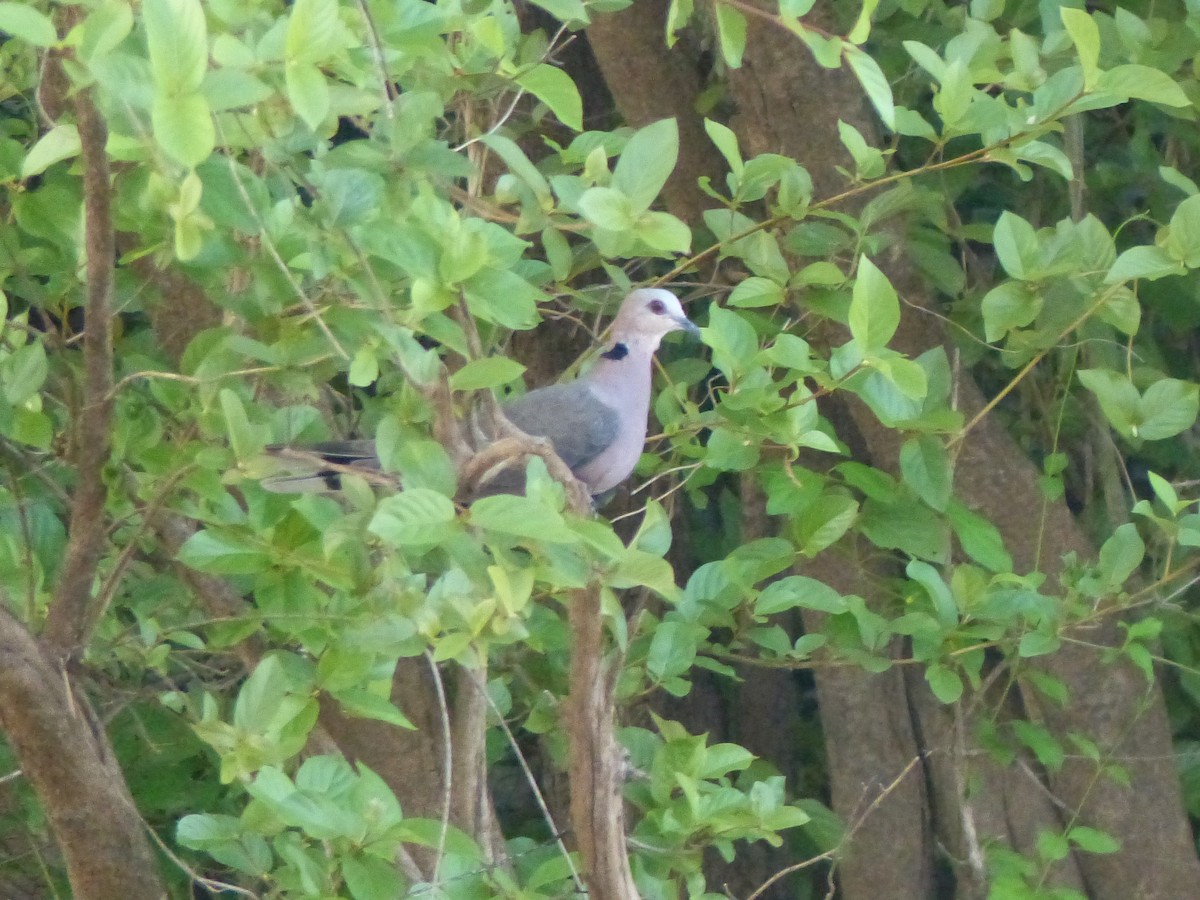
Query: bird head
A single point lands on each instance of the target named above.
(649, 313)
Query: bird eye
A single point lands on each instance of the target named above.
(657, 307)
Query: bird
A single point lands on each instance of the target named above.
(596, 423)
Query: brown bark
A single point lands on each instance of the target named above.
(649, 83)
(597, 808)
(67, 618)
(65, 754)
(62, 749)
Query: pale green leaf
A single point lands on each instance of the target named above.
(1016, 245)
(312, 32)
(1086, 37)
(731, 34)
(756, 291)
(608, 208)
(59, 143)
(646, 163)
(414, 516)
(663, 232)
(874, 83)
(521, 517)
(25, 23)
(488, 372)
(925, 466)
(1133, 82)
(1149, 262)
(1169, 407)
(177, 36)
(555, 88)
(183, 127)
(874, 308)
(308, 92)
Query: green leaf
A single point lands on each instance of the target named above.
(241, 436)
(234, 89)
(23, 372)
(414, 516)
(798, 591)
(59, 143)
(308, 92)
(868, 160)
(979, 538)
(731, 451)
(1169, 407)
(731, 34)
(177, 36)
(823, 522)
(1043, 744)
(663, 232)
(25, 23)
(1165, 492)
(726, 141)
(1037, 643)
(945, 683)
(223, 553)
(925, 466)
(1086, 37)
(489, 372)
(672, 650)
(371, 878)
(756, 291)
(503, 297)
(1149, 262)
(874, 308)
(1183, 234)
(1052, 847)
(364, 368)
(1012, 304)
(555, 88)
(106, 26)
(558, 252)
(1133, 82)
(519, 164)
(731, 338)
(565, 10)
(1122, 311)
(363, 704)
(873, 81)
(521, 517)
(637, 567)
(1092, 840)
(1017, 246)
(313, 31)
(1121, 555)
(862, 25)
(646, 163)
(1118, 398)
(608, 208)
(927, 576)
(183, 127)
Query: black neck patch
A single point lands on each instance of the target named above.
(617, 351)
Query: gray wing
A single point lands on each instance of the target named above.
(314, 468)
(571, 417)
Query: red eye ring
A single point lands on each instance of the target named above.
(657, 307)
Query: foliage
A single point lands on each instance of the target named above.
(367, 201)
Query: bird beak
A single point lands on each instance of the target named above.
(688, 327)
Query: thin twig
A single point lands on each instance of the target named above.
(447, 767)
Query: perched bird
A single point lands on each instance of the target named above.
(597, 423)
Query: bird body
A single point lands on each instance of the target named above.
(596, 424)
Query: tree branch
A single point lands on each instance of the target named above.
(66, 622)
(597, 807)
